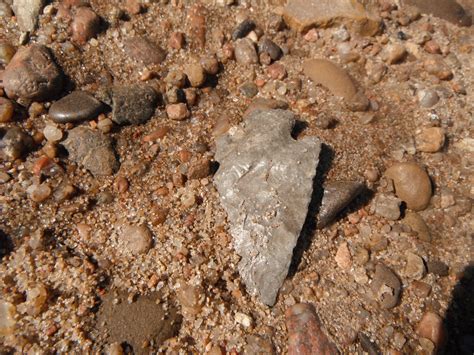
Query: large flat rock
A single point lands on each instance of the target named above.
(265, 181)
(302, 15)
(449, 10)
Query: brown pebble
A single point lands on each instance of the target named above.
(121, 184)
(343, 257)
(85, 25)
(6, 110)
(412, 184)
(195, 74)
(210, 65)
(143, 50)
(276, 71)
(431, 327)
(305, 334)
(430, 140)
(199, 169)
(435, 65)
(178, 111)
(133, 7)
(176, 40)
(432, 47)
(137, 239)
(395, 53)
(197, 23)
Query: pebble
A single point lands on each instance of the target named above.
(428, 97)
(431, 327)
(143, 50)
(245, 52)
(337, 80)
(395, 53)
(6, 110)
(195, 74)
(438, 268)
(412, 184)
(277, 71)
(85, 25)
(343, 257)
(75, 107)
(5, 10)
(197, 23)
(32, 74)
(52, 133)
(190, 298)
(199, 169)
(137, 239)
(449, 10)
(430, 140)
(305, 334)
(243, 29)
(421, 289)
(386, 286)
(39, 193)
(133, 7)
(418, 225)
(176, 78)
(415, 266)
(210, 64)
(435, 65)
(368, 345)
(249, 89)
(27, 13)
(15, 144)
(256, 344)
(7, 51)
(243, 319)
(134, 104)
(341, 34)
(178, 111)
(432, 47)
(387, 206)
(176, 40)
(93, 150)
(7, 318)
(265, 45)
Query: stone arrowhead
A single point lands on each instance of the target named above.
(337, 195)
(265, 181)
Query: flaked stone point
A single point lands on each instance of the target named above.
(75, 107)
(265, 182)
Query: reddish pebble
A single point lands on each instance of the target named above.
(276, 71)
(176, 40)
(177, 111)
(305, 336)
(432, 47)
(85, 25)
(6, 110)
(431, 327)
(133, 7)
(312, 35)
(155, 135)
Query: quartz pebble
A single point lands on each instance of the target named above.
(412, 184)
(75, 107)
(415, 266)
(430, 140)
(137, 239)
(52, 133)
(395, 53)
(32, 74)
(305, 334)
(39, 193)
(85, 25)
(6, 110)
(27, 13)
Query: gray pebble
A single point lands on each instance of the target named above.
(245, 52)
(75, 107)
(266, 45)
(249, 89)
(428, 98)
(387, 206)
(133, 104)
(386, 286)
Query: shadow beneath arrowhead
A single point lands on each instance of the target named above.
(459, 319)
(326, 158)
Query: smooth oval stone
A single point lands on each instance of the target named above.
(75, 107)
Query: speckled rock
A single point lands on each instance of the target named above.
(93, 150)
(449, 10)
(137, 239)
(305, 334)
(133, 104)
(430, 140)
(386, 286)
(412, 184)
(301, 15)
(337, 80)
(32, 74)
(387, 206)
(143, 50)
(15, 144)
(245, 52)
(428, 98)
(75, 107)
(415, 266)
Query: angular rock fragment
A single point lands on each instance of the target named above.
(143, 50)
(93, 150)
(336, 79)
(305, 335)
(301, 15)
(27, 12)
(337, 195)
(265, 181)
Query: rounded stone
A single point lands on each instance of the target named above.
(412, 184)
(6, 110)
(143, 50)
(430, 140)
(137, 239)
(7, 51)
(431, 327)
(245, 52)
(32, 74)
(428, 98)
(195, 74)
(86, 24)
(386, 286)
(75, 107)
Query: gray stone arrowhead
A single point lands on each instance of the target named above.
(265, 181)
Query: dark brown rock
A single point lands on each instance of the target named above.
(32, 74)
(305, 335)
(134, 104)
(75, 107)
(143, 50)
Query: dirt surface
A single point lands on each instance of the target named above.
(61, 247)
